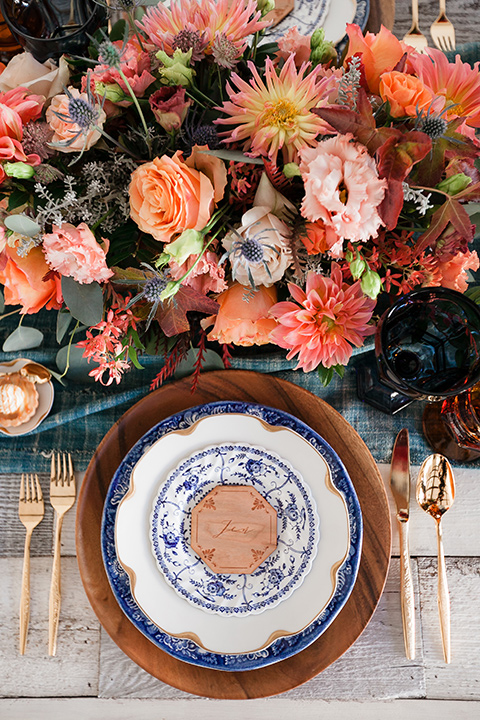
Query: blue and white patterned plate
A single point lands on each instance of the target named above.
(297, 527)
(186, 632)
(332, 15)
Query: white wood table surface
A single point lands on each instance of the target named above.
(91, 678)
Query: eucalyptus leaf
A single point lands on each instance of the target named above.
(78, 366)
(85, 302)
(234, 155)
(22, 225)
(63, 323)
(23, 338)
(211, 361)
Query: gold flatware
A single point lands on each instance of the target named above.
(30, 512)
(442, 30)
(400, 487)
(415, 37)
(62, 498)
(435, 495)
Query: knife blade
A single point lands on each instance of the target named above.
(400, 487)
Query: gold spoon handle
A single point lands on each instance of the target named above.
(407, 595)
(443, 596)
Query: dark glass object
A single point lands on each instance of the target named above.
(51, 28)
(427, 346)
(8, 44)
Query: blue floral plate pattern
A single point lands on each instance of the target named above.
(185, 648)
(297, 526)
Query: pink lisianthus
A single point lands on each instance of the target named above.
(453, 272)
(330, 317)
(74, 252)
(207, 275)
(135, 65)
(170, 107)
(294, 43)
(342, 188)
(243, 317)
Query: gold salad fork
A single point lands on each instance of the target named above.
(442, 30)
(62, 498)
(415, 37)
(30, 512)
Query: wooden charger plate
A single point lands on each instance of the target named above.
(351, 621)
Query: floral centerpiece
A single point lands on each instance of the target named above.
(191, 182)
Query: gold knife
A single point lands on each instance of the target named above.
(400, 486)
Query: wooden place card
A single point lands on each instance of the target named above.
(234, 529)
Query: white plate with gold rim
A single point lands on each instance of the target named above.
(229, 643)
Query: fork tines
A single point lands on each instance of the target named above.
(60, 474)
(30, 489)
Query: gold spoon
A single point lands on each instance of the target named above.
(435, 494)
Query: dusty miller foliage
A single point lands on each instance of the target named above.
(96, 195)
(349, 84)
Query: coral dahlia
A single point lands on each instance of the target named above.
(330, 317)
(276, 114)
(205, 19)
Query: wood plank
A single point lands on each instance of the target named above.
(460, 524)
(74, 670)
(460, 13)
(461, 678)
(12, 536)
(271, 709)
(374, 667)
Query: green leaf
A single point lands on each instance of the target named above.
(325, 375)
(118, 30)
(211, 361)
(234, 155)
(133, 356)
(23, 338)
(22, 225)
(85, 302)
(2, 302)
(17, 198)
(63, 323)
(340, 370)
(78, 366)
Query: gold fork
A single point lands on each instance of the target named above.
(415, 37)
(30, 512)
(62, 497)
(442, 30)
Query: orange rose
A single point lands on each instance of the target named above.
(405, 93)
(321, 239)
(167, 196)
(241, 322)
(24, 283)
(380, 53)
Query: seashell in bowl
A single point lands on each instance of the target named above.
(18, 399)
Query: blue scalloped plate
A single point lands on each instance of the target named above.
(185, 648)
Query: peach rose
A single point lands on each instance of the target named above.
(43, 78)
(25, 283)
(243, 322)
(380, 53)
(169, 195)
(67, 131)
(74, 252)
(404, 93)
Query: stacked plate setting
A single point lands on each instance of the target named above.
(231, 621)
